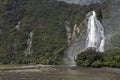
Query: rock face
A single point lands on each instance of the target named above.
(69, 32)
(82, 2)
(76, 42)
(17, 27)
(72, 33)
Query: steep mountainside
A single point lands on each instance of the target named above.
(34, 31)
(111, 22)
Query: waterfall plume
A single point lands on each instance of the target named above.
(74, 42)
(95, 32)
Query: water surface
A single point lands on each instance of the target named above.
(64, 74)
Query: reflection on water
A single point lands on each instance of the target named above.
(70, 74)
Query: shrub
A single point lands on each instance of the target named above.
(110, 58)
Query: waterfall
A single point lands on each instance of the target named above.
(95, 33)
(18, 25)
(95, 38)
(29, 44)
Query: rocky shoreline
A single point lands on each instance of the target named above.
(35, 68)
(54, 68)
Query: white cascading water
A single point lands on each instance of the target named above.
(95, 33)
(95, 38)
(18, 25)
(29, 44)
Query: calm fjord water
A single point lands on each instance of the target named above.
(64, 74)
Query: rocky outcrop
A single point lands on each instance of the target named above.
(17, 27)
(76, 41)
(72, 32)
(29, 44)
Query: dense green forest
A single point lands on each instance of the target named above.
(46, 19)
(93, 58)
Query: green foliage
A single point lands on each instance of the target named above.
(96, 63)
(112, 57)
(109, 58)
(89, 57)
(46, 18)
(82, 63)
